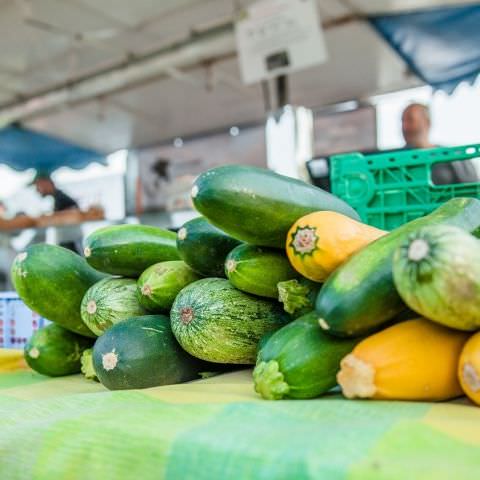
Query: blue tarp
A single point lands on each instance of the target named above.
(441, 46)
(21, 148)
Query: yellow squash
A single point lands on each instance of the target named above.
(11, 360)
(412, 360)
(320, 242)
(469, 368)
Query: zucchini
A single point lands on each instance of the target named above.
(108, 302)
(299, 361)
(360, 295)
(437, 274)
(128, 250)
(259, 206)
(159, 284)
(52, 281)
(204, 247)
(258, 270)
(214, 321)
(55, 351)
(141, 353)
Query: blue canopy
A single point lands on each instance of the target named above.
(441, 46)
(21, 149)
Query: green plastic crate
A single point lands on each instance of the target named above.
(390, 189)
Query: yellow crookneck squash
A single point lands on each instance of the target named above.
(320, 242)
(412, 360)
(469, 368)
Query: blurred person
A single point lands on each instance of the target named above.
(61, 201)
(416, 124)
(46, 187)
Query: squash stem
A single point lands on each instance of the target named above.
(269, 381)
(356, 378)
(294, 296)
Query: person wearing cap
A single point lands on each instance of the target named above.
(46, 187)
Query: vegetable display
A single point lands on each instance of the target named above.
(278, 275)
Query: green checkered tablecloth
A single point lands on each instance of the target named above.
(70, 428)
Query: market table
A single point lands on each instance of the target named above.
(71, 428)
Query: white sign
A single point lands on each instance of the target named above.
(276, 37)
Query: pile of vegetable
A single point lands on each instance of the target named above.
(278, 274)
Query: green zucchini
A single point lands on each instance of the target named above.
(360, 295)
(259, 206)
(55, 351)
(298, 295)
(214, 321)
(159, 284)
(258, 270)
(128, 250)
(141, 353)
(52, 281)
(108, 302)
(437, 274)
(299, 361)
(204, 247)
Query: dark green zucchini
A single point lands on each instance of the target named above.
(259, 206)
(204, 247)
(159, 284)
(52, 281)
(128, 250)
(299, 361)
(360, 295)
(258, 270)
(214, 321)
(141, 353)
(110, 301)
(55, 351)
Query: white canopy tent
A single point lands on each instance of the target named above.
(115, 74)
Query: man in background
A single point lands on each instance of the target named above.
(61, 201)
(45, 187)
(416, 125)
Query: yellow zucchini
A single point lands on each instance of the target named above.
(412, 360)
(320, 242)
(469, 368)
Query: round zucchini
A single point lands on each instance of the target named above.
(55, 351)
(52, 281)
(259, 206)
(214, 321)
(159, 284)
(110, 301)
(128, 250)
(258, 270)
(299, 361)
(141, 353)
(437, 274)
